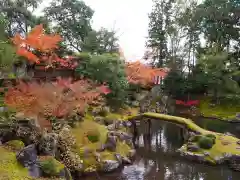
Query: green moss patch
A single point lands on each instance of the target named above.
(15, 145)
(223, 111)
(50, 166)
(10, 169)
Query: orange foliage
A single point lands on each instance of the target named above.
(138, 73)
(45, 44)
(58, 99)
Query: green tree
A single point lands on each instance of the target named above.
(7, 51)
(102, 41)
(71, 19)
(217, 65)
(157, 32)
(19, 14)
(219, 21)
(106, 68)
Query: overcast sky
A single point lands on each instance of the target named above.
(128, 17)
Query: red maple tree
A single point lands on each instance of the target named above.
(46, 44)
(53, 99)
(141, 74)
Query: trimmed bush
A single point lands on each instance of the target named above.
(104, 111)
(205, 142)
(93, 136)
(50, 166)
(213, 137)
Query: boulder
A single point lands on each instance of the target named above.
(127, 124)
(99, 120)
(27, 157)
(48, 144)
(111, 142)
(193, 147)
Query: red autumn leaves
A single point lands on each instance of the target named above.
(139, 73)
(54, 99)
(36, 40)
(58, 99)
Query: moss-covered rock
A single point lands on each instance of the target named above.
(15, 145)
(205, 142)
(10, 169)
(50, 166)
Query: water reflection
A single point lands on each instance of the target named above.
(157, 159)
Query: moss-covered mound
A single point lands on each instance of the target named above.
(9, 167)
(88, 149)
(50, 166)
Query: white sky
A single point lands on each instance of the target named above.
(128, 17)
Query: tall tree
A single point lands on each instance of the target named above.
(71, 18)
(7, 51)
(157, 34)
(19, 14)
(102, 41)
(220, 22)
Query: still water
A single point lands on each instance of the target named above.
(157, 159)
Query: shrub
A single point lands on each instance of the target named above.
(104, 111)
(205, 142)
(108, 69)
(93, 135)
(50, 166)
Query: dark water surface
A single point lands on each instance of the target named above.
(157, 158)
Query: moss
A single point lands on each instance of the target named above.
(222, 111)
(205, 142)
(86, 149)
(50, 166)
(93, 135)
(10, 169)
(15, 145)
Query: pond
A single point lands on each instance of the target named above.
(157, 159)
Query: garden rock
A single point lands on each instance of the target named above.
(193, 147)
(111, 127)
(127, 124)
(27, 157)
(119, 158)
(99, 120)
(110, 165)
(111, 142)
(48, 144)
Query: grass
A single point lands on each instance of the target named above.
(223, 112)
